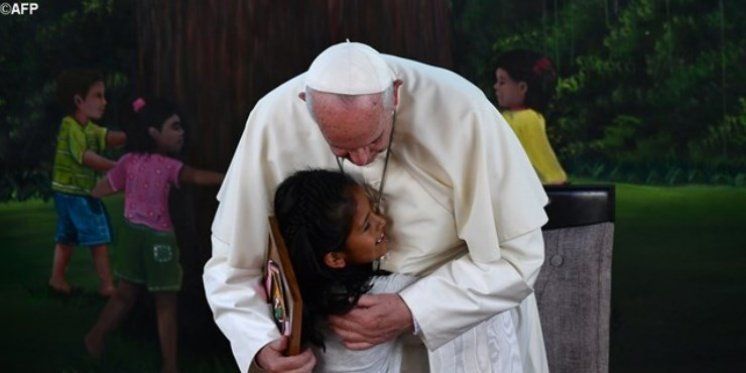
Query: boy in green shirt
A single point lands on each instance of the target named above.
(82, 219)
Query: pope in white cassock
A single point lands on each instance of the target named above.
(464, 204)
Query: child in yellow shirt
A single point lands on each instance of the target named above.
(524, 83)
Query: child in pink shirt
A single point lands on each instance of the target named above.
(149, 254)
(146, 180)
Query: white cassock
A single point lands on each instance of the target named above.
(464, 204)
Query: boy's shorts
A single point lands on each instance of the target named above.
(82, 220)
(149, 257)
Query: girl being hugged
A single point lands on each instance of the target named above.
(524, 85)
(149, 255)
(334, 238)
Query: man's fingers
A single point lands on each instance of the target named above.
(349, 336)
(273, 360)
(303, 362)
(344, 322)
(351, 330)
(308, 366)
(367, 300)
(376, 319)
(358, 346)
(359, 318)
(279, 344)
(361, 340)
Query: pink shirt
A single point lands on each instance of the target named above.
(146, 180)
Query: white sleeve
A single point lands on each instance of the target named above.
(469, 292)
(239, 311)
(274, 143)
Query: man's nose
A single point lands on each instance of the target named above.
(360, 156)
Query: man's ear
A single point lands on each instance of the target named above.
(397, 84)
(334, 259)
(77, 100)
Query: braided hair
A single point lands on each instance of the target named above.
(314, 209)
(536, 70)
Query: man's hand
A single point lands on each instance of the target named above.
(271, 358)
(376, 319)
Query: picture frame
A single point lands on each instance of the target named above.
(283, 292)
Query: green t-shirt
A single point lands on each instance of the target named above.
(70, 175)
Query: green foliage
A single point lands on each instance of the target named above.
(724, 143)
(649, 91)
(33, 51)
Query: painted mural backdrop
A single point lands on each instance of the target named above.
(650, 91)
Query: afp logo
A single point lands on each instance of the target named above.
(18, 8)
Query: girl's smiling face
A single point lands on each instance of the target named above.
(366, 241)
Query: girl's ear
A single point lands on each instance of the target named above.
(522, 87)
(153, 132)
(334, 259)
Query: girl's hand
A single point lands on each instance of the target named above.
(102, 188)
(271, 358)
(193, 175)
(97, 162)
(115, 139)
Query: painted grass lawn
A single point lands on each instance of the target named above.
(43, 332)
(679, 284)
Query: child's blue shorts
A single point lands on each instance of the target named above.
(82, 220)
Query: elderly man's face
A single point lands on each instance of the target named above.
(357, 128)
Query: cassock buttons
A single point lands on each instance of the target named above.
(556, 260)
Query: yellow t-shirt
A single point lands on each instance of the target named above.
(530, 128)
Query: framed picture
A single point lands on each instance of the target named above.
(283, 292)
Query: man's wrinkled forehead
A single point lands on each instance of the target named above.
(349, 129)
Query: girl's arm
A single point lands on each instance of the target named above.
(103, 188)
(200, 177)
(97, 162)
(115, 139)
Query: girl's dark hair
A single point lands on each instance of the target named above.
(75, 82)
(536, 70)
(152, 112)
(314, 209)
